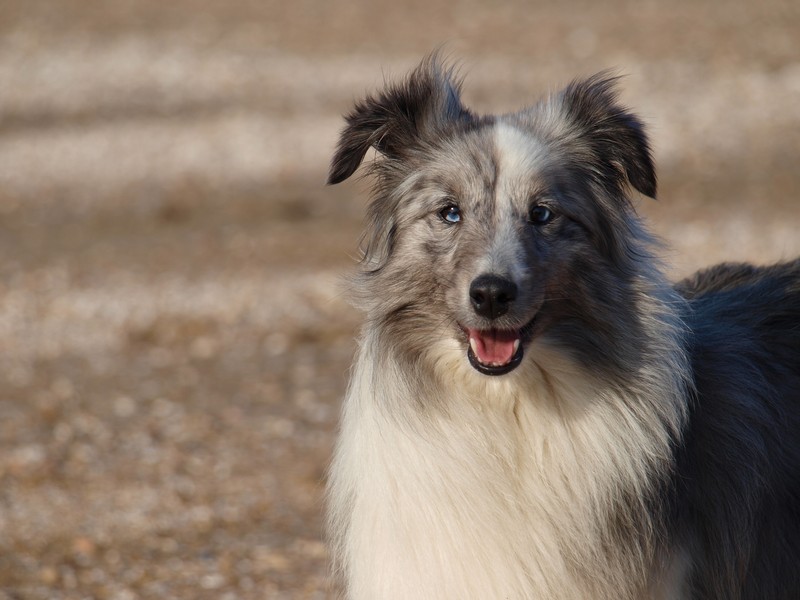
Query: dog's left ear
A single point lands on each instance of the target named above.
(398, 118)
(615, 135)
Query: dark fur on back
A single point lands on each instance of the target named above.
(738, 494)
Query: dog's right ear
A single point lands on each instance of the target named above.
(395, 120)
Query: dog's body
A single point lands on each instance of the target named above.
(535, 411)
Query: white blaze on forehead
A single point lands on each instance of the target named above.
(519, 154)
(519, 158)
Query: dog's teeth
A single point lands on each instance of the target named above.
(474, 345)
(516, 345)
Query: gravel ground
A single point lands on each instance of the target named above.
(174, 341)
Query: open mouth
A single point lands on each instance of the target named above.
(495, 351)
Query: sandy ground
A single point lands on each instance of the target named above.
(173, 339)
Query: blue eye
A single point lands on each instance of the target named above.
(541, 215)
(450, 214)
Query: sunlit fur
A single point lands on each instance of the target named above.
(563, 479)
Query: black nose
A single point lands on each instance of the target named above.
(492, 295)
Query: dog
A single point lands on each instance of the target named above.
(535, 411)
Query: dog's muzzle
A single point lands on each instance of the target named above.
(493, 351)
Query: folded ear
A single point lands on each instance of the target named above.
(395, 120)
(615, 135)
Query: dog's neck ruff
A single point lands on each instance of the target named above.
(504, 487)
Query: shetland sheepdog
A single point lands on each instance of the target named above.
(535, 410)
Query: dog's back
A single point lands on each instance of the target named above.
(739, 485)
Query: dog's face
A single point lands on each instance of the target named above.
(489, 232)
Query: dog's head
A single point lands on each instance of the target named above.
(489, 232)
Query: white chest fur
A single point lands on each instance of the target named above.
(491, 493)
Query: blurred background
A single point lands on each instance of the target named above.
(173, 339)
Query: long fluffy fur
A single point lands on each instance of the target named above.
(646, 445)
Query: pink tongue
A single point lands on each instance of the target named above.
(493, 347)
